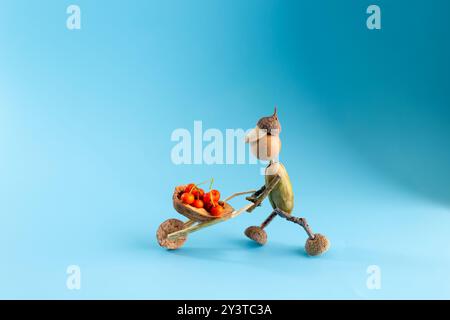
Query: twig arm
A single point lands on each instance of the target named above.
(266, 191)
(256, 194)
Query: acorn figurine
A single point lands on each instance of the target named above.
(265, 144)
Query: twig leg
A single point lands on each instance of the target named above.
(268, 220)
(300, 221)
(258, 234)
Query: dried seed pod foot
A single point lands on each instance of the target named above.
(168, 227)
(257, 234)
(317, 246)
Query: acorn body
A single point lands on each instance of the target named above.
(282, 196)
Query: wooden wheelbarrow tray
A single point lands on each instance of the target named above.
(172, 233)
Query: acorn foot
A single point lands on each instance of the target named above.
(317, 246)
(257, 234)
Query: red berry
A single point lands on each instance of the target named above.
(207, 199)
(215, 195)
(198, 193)
(187, 198)
(198, 203)
(190, 187)
(212, 196)
(209, 205)
(216, 211)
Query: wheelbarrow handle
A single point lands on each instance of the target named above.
(239, 194)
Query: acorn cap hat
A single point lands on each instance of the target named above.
(265, 126)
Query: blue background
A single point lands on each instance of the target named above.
(86, 118)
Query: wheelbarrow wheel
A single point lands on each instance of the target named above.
(168, 227)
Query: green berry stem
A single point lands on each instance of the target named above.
(211, 184)
(199, 184)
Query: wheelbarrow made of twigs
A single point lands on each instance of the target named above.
(173, 233)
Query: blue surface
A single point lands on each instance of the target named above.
(86, 118)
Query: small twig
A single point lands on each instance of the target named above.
(256, 194)
(259, 192)
(268, 220)
(189, 223)
(300, 221)
(264, 193)
(238, 194)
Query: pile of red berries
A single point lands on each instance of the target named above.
(196, 197)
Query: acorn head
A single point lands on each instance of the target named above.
(270, 124)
